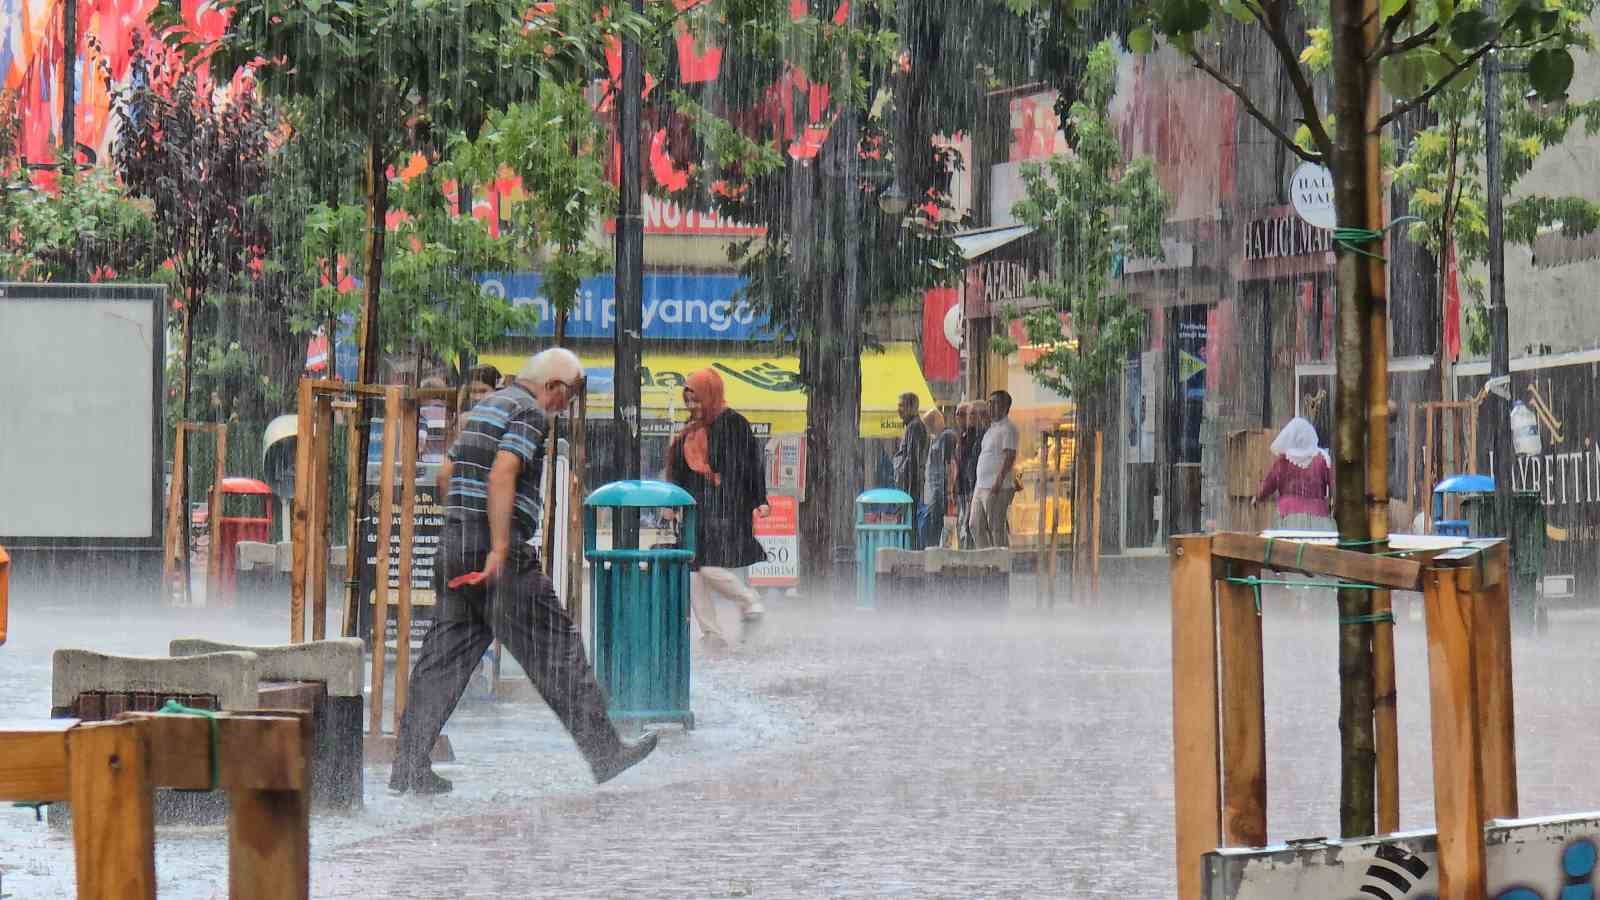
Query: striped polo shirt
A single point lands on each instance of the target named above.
(508, 420)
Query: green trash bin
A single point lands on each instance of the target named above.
(1527, 555)
(639, 624)
(885, 517)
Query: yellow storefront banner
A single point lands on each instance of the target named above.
(766, 389)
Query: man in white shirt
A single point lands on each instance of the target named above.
(996, 486)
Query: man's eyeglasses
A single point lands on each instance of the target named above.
(574, 387)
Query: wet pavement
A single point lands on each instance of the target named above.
(844, 754)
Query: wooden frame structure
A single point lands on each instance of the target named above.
(1459, 421)
(109, 771)
(309, 520)
(175, 546)
(1219, 721)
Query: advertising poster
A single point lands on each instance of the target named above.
(779, 536)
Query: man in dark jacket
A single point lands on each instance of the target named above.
(495, 586)
(717, 459)
(968, 441)
(911, 460)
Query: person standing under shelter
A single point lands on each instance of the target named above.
(910, 460)
(938, 478)
(996, 477)
(717, 459)
(495, 585)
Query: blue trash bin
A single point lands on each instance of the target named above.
(885, 517)
(639, 626)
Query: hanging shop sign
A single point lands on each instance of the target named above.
(1311, 189)
(675, 306)
(665, 217)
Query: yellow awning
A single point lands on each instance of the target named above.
(765, 388)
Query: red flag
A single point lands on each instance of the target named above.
(941, 359)
(1452, 304)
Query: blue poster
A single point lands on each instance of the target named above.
(681, 306)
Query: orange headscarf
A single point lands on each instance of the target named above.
(696, 436)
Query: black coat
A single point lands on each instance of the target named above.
(726, 534)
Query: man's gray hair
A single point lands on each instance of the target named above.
(555, 364)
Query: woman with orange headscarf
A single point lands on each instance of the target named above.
(717, 460)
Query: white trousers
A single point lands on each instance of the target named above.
(706, 584)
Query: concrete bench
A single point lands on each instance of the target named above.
(323, 678)
(944, 581)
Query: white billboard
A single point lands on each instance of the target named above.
(1525, 859)
(81, 371)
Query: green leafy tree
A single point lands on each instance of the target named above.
(386, 70)
(896, 76)
(553, 145)
(1075, 200)
(1417, 50)
(86, 228)
(1443, 176)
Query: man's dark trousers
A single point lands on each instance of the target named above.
(521, 609)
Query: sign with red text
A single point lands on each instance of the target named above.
(779, 536)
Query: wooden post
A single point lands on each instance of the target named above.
(1386, 733)
(177, 536)
(269, 835)
(1195, 739)
(1094, 531)
(219, 444)
(1056, 470)
(1491, 604)
(354, 478)
(1242, 693)
(1428, 473)
(321, 500)
(300, 511)
(113, 818)
(577, 457)
(380, 576)
(408, 530)
(1040, 590)
(1417, 493)
(1457, 776)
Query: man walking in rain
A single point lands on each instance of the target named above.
(495, 586)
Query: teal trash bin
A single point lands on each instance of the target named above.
(639, 621)
(885, 517)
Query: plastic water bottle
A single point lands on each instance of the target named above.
(1525, 430)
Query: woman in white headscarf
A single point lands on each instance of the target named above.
(1301, 478)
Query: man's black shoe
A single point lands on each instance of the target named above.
(625, 757)
(424, 783)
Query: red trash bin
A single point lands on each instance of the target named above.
(230, 530)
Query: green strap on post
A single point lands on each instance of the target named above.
(1352, 238)
(174, 708)
(1383, 618)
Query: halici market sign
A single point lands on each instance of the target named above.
(1282, 237)
(682, 307)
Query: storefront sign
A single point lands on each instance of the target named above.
(679, 307)
(666, 217)
(1281, 237)
(1311, 189)
(779, 536)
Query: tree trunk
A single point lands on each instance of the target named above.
(367, 361)
(1361, 416)
(827, 268)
